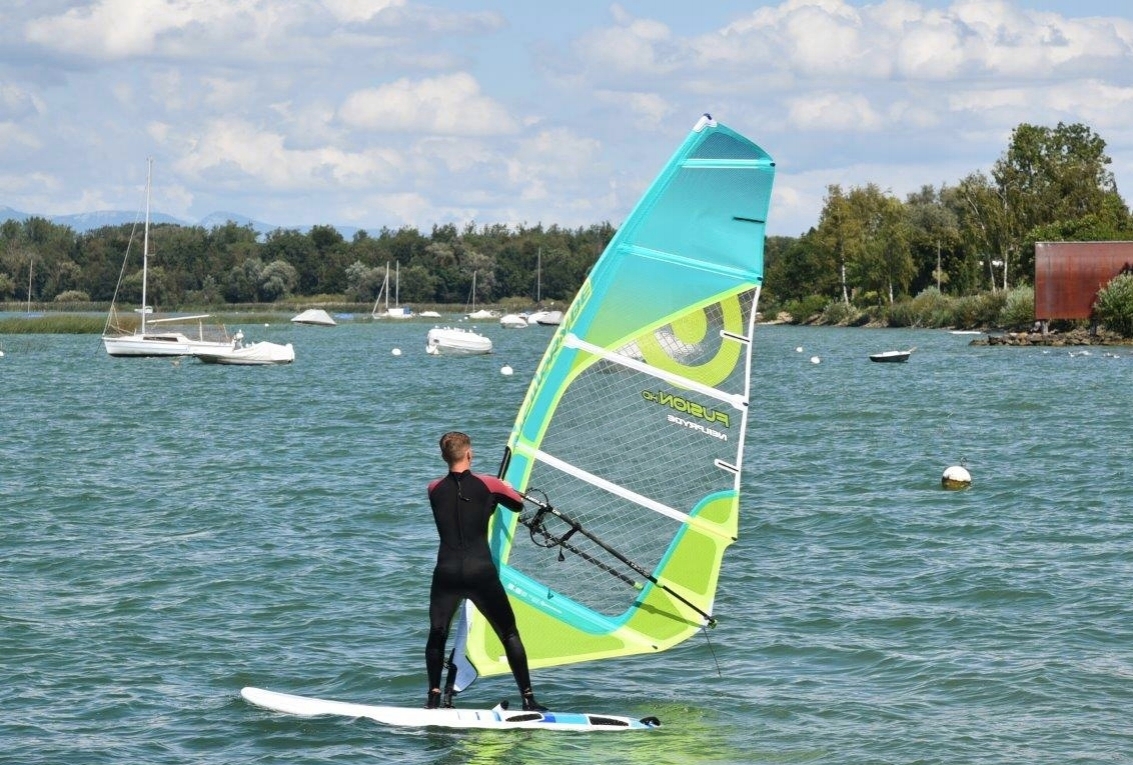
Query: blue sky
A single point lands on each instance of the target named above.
(372, 113)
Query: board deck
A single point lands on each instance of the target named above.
(498, 717)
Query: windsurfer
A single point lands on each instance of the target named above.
(463, 503)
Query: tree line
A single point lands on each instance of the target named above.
(868, 248)
(231, 264)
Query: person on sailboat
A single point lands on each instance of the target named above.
(463, 503)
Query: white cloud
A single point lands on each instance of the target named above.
(234, 151)
(360, 10)
(15, 139)
(631, 47)
(18, 102)
(447, 105)
(649, 109)
(121, 28)
(833, 111)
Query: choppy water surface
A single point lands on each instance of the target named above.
(172, 532)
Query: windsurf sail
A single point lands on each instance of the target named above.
(630, 439)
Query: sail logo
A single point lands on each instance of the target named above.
(684, 406)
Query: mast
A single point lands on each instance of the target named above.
(145, 243)
(396, 284)
(31, 267)
(539, 277)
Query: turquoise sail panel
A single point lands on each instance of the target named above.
(634, 424)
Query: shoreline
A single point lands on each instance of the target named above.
(1053, 339)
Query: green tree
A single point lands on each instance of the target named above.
(866, 233)
(300, 251)
(242, 285)
(796, 267)
(1051, 176)
(278, 280)
(934, 239)
(1113, 306)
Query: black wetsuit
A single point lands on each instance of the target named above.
(463, 504)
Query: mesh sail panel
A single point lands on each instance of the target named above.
(648, 437)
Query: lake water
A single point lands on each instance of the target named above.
(173, 532)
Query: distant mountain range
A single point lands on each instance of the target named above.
(83, 222)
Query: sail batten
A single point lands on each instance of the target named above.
(620, 491)
(634, 424)
(630, 362)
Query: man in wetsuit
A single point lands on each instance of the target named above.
(463, 504)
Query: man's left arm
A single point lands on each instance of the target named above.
(503, 493)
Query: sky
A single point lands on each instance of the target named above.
(391, 113)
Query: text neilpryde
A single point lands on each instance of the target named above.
(693, 409)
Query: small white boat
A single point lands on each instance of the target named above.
(546, 318)
(513, 321)
(257, 354)
(315, 316)
(892, 356)
(455, 341)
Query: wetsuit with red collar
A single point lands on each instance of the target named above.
(463, 504)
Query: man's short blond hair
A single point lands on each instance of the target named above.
(455, 446)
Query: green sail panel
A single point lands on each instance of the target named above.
(635, 420)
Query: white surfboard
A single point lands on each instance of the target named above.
(498, 717)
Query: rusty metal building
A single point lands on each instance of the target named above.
(1068, 275)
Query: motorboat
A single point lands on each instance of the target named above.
(258, 354)
(546, 318)
(513, 321)
(456, 341)
(892, 356)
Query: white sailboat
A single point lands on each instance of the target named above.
(146, 341)
(540, 315)
(397, 311)
(478, 315)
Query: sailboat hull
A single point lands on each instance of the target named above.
(160, 344)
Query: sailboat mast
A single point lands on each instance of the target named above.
(397, 283)
(539, 277)
(31, 267)
(145, 243)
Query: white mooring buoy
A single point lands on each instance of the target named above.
(956, 477)
(506, 371)
(396, 351)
